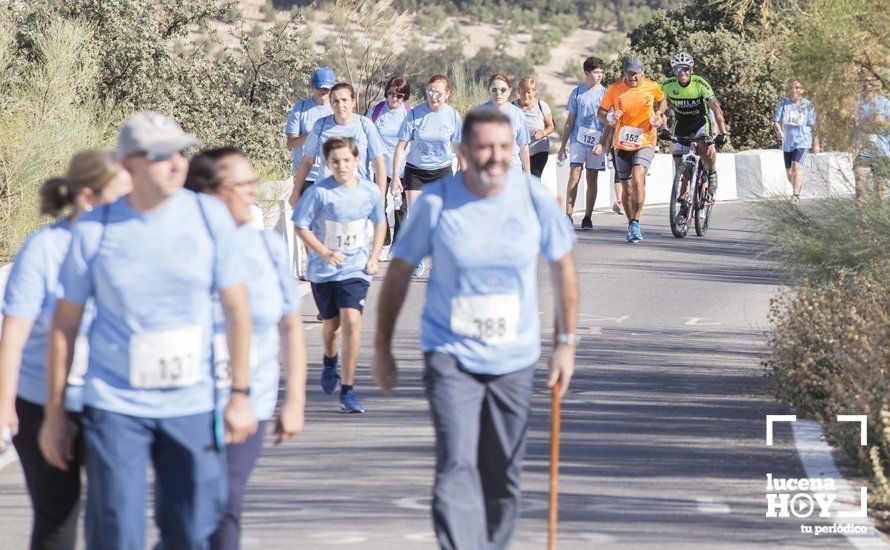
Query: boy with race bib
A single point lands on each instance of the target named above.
(580, 135)
(331, 219)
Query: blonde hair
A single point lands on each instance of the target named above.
(88, 169)
(527, 83)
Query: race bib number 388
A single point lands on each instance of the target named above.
(166, 359)
(493, 319)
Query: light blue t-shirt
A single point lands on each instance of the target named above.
(361, 129)
(388, 124)
(482, 299)
(584, 103)
(430, 135)
(31, 293)
(152, 275)
(273, 294)
(338, 216)
(796, 120)
(519, 127)
(880, 142)
(301, 120)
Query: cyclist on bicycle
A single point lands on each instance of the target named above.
(692, 101)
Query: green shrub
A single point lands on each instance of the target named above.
(830, 351)
(237, 94)
(830, 336)
(828, 238)
(49, 109)
(745, 75)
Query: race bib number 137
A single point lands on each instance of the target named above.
(166, 359)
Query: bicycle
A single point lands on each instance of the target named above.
(690, 170)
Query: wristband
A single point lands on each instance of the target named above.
(244, 391)
(567, 339)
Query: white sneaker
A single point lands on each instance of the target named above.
(384, 254)
(616, 207)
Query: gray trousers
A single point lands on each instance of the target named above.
(481, 424)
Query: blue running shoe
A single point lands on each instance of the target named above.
(329, 379)
(630, 233)
(635, 229)
(418, 271)
(349, 404)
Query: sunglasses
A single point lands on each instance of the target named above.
(246, 184)
(495, 90)
(682, 69)
(152, 156)
(434, 94)
(395, 95)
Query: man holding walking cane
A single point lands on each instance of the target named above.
(480, 331)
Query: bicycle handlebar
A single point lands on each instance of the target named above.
(686, 140)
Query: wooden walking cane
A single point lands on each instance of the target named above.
(554, 467)
(554, 455)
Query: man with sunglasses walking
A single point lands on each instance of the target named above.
(692, 101)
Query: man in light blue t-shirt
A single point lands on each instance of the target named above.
(580, 135)
(151, 262)
(480, 330)
(331, 218)
(306, 112)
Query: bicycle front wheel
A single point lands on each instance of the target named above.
(683, 177)
(703, 206)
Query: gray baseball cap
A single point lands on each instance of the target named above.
(633, 64)
(149, 132)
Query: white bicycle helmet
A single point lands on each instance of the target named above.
(682, 58)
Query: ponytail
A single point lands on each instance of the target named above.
(55, 196)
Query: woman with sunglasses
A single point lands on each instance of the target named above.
(344, 122)
(388, 115)
(93, 178)
(795, 126)
(432, 128)
(539, 119)
(499, 89)
(226, 174)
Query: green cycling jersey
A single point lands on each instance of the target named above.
(689, 103)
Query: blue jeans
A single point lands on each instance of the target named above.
(190, 487)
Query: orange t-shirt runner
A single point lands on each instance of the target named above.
(633, 130)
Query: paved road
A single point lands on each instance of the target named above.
(663, 438)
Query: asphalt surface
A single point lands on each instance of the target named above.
(663, 438)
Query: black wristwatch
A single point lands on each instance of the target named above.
(245, 391)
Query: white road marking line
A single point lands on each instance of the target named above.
(711, 505)
(413, 503)
(815, 455)
(598, 319)
(336, 537)
(694, 322)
